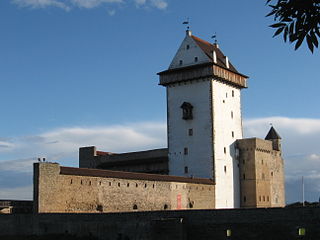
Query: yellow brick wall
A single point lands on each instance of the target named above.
(57, 193)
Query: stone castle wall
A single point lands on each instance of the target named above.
(73, 190)
(248, 224)
(261, 174)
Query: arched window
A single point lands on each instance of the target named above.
(187, 111)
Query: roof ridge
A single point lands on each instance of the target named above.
(201, 40)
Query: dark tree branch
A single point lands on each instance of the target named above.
(297, 20)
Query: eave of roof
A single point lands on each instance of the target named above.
(132, 176)
(198, 66)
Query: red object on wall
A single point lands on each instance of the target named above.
(179, 201)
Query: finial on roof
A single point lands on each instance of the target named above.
(272, 134)
(215, 38)
(215, 42)
(187, 22)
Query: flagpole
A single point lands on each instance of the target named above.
(303, 192)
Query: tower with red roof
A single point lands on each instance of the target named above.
(204, 116)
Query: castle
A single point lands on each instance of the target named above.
(207, 165)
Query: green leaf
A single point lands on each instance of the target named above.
(285, 34)
(271, 13)
(291, 27)
(310, 43)
(286, 19)
(278, 31)
(314, 39)
(317, 30)
(276, 25)
(298, 43)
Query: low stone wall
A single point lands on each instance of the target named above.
(248, 224)
(75, 190)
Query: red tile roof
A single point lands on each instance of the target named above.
(131, 175)
(208, 48)
(100, 153)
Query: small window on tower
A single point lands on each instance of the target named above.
(187, 111)
(180, 62)
(185, 151)
(186, 170)
(188, 46)
(244, 199)
(225, 169)
(225, 150)
(196, 59)
(232, 134)
(244, 177)
(232, 93)
(190, 132)
(232, 114)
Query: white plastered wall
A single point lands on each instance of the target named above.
(199, 158)
(226, 119)
(187, 54)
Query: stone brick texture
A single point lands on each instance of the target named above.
(59, 193)
(261, 174)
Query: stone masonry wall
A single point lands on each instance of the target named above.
(261, 174)
(248, 224)
(59, 192)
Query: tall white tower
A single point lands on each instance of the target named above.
(204, 117)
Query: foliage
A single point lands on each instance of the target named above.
(298, 20)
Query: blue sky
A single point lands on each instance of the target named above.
(83, 72)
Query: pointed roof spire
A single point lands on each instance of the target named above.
(272, 134)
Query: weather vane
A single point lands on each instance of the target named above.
(187, 23)
(215, 38)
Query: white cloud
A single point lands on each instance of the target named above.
(67, 5)
(298, 125)
(41, 4)
(6, 146)
(92, 3)
(19, 166)
(315, 157)
(160, 4)
(140, 2)
(62, 143)
(18, 193)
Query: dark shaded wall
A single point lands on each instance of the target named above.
(249, 224)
